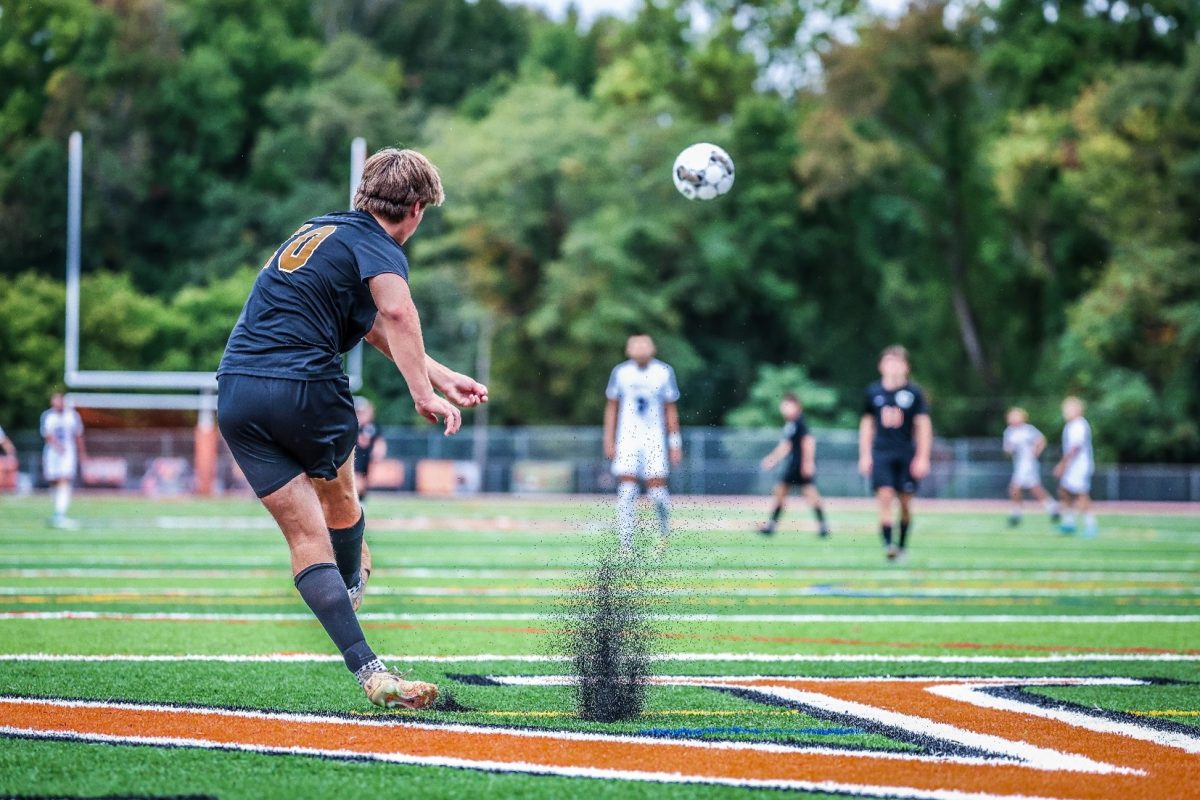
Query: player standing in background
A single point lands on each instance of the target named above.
(284, 403)
(62, 431)
(800, 449)
(1025, 444)
(641, 429)
(1074, 471)
(8, 461)
(895, 437)
(364, 447)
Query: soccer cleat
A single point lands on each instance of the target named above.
(356, 592)
(892, 553)
(660, 547)
(901, 556)
(390, 690)
(1014, 520)
(1055, 518)
(766, 529)
(823, 533)
(1066, 529)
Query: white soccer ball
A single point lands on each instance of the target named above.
(702, 172)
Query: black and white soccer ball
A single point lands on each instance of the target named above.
(702, 172)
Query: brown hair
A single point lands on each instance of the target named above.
(393, 181)
(897, 350)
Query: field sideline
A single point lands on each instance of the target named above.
(160, 649)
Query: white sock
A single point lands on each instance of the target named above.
(662, 502)
(1050, 505)
(1089, 521)
(626, 510)
(1069, 519)
(1016, 511)
(62, 499)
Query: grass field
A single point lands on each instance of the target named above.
(137, 653)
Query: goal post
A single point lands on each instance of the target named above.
(151, 389)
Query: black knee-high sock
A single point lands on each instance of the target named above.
(904, 523)
(819, 513)
(323, 590)
(777, 513)
(347, 549)
(886, 530)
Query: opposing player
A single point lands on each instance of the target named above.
(800, 449)
(1025, 444)
(284, 403)
(641, 432)
(365, 446)
(62, 432)
(895, 437)
(1074, 471)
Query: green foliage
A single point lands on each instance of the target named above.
(1011, 194)
(761, 409)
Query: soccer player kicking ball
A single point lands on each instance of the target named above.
(1074, 471)
(1025, 444)
(284, 404)
(895, 437)
(639, 418)
(800, 449)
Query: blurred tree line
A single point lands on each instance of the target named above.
(1009, 188)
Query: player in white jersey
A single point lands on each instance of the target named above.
(1074, 471)
(1025, 444)
(62, 431)
(641, 434)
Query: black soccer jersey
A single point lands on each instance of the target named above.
(894, 411)
(310, 303)
(794, 432)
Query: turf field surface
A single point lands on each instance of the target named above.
(160, 649)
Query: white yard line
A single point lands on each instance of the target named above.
(796, 619)
(748, 658)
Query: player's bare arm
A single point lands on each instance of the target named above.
(1065, 461)
(1039, 446)
(610, 429)
(923, 434)
(779, 453)
(674, 437)
(401, 330)
(808, 456)
(462, 390)
(866, 439)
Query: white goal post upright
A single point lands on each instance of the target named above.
(154, 390)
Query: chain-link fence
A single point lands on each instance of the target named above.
(716, 461)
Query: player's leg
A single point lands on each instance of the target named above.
(885, 496)
(1043, 497)
(360, 483)
(1067, 504)
(346, 522)
(1090, 527)
(818, 507)
(779, 495)
(1016, 496)
(656, 490)
(906, 499)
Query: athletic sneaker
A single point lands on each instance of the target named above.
(766, 529)
(390, 690)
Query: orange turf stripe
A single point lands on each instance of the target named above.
(1171, 773)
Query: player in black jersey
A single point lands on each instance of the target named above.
(800, 449)
(284, 403)
(895, 437)
(364, 447)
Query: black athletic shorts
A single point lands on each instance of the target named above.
(279, 428)
(793, 477)
(893, 470)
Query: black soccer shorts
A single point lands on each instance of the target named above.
(793, 477)
(892, 470)
(279, 428)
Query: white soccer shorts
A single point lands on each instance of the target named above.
(58, 465)
(1078, 478)
(1026, 476)
(641, 460)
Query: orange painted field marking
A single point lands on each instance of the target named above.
(1039, 755)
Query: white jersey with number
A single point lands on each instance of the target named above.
(641, 417)
(60, 429)
(1077, 436)
(1020, 441)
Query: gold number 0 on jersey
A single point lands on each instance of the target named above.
(296, 253)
